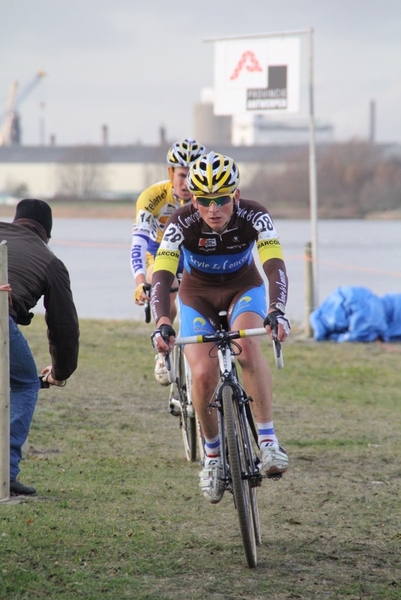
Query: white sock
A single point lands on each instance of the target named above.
(266, 434)
(212, 447)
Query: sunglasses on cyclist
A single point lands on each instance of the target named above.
(218, 200)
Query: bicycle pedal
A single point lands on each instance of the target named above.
(275, 476)
(174, 407)
(173, 411)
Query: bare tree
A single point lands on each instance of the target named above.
(284, 189)
(82, 173)
(353, 179)
(16, 188)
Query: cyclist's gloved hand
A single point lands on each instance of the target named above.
(140, 294)
(164, 331)
(274, 319)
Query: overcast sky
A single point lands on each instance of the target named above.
(137, 66)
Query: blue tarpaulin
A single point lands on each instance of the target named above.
(355, 314)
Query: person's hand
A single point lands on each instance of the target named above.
(48, 378)
(6, 287)
(140, 295)
(276, 323)
(163, 338)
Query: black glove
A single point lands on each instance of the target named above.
(166, 331)
(274, 318)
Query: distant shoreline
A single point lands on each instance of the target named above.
(124, 210)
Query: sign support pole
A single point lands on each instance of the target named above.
(312, 178)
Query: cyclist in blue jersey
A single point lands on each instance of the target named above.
(216, 234)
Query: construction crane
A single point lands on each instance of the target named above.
(9, 121)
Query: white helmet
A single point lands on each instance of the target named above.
(182, 154)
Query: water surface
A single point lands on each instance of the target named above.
(350, 252)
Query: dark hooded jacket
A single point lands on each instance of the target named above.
(35, 272)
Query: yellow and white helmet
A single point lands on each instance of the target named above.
(182, 154)
(213, 174)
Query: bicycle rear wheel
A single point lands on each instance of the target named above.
(242, 489)
(188, 423)
(189, 436)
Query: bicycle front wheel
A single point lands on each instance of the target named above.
(255, 484)
(238, 469)
(188, 423)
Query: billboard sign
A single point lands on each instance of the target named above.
(257, 75)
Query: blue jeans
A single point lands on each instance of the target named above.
(24, 387)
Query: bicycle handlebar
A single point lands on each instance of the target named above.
(219, 336)
(148, 316)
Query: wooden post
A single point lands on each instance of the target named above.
(309, 291)
(4, 380)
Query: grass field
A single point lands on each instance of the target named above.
(119, 514)
(82, 210)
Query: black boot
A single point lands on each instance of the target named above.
(19, 489)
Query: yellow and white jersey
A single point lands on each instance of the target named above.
(153, 208)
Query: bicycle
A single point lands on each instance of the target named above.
(241, 472)
(179, 402)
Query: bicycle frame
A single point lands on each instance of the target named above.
(229, 377)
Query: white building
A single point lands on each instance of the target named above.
(113, 171)
(260, 130)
